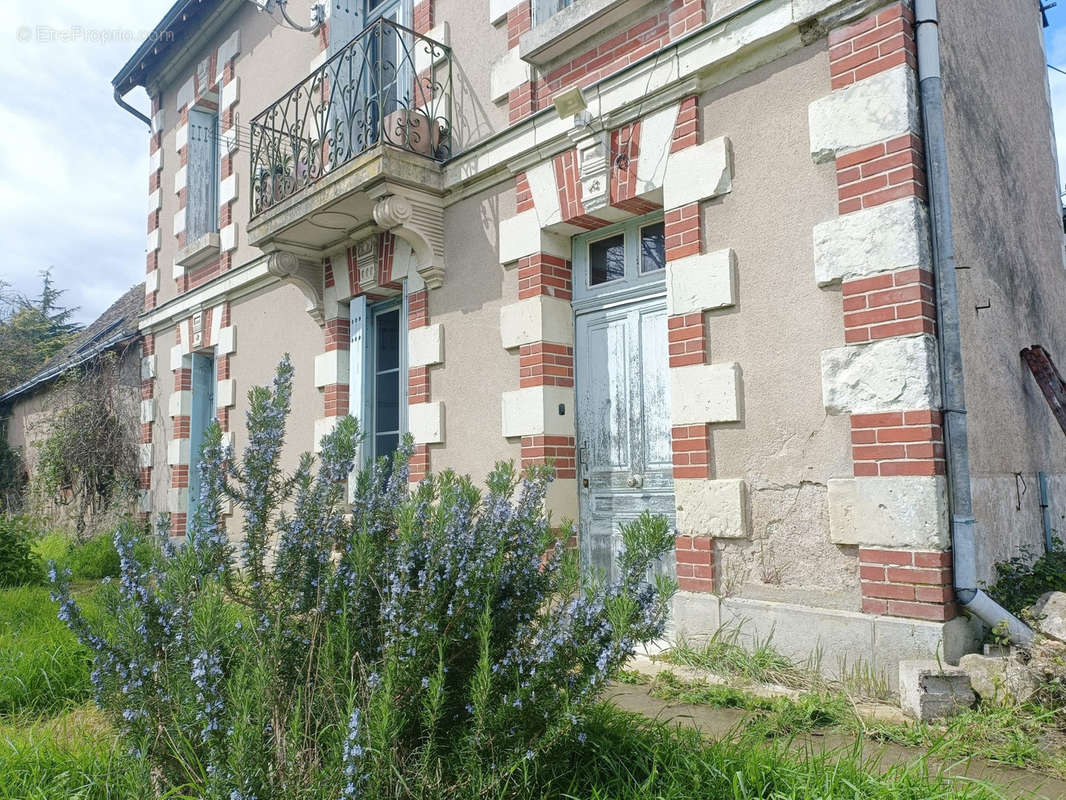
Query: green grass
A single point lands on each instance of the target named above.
(72, 755)
(754, 662)
(1025, 736)
(627, 757)
(43, 668)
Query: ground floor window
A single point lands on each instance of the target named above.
(378, 373)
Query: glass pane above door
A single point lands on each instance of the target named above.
(653, 247)
(607, 260)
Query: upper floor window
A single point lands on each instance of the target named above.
(545, 9)
(201, 201)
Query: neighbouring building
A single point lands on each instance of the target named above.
(26, 409)
(681, 247)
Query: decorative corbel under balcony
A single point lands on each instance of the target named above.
(418, 219)
(305, 275)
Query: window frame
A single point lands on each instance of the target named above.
(633, 283)
(362, 385)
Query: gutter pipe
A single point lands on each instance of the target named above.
(123, 104)
(949, 340)
(1045, 512)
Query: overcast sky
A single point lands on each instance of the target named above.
(74, 166)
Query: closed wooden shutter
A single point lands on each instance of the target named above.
(201, 207)
(357, 366)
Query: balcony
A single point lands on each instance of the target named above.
(354, 148)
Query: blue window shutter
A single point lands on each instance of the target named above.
(345, 23)
(357, 366)
(201, 207)
(203, 413)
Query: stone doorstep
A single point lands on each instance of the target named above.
(652, 667)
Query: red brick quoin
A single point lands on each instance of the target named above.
(907, 583)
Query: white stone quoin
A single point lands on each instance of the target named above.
(508, 72)
(715, 508)
(425, 346)
(537, 319)
(880, 107)
(698, 173)
(701, 282)
(227, 340)
(226, 393)
(331, 367)
(904, 511)
(178, 452)
(177, 500)
(425, 421)
(521, 235)
(881, 239)
(898, 374)
(534, 411)
(323, 427)
(656, 134)
(703, 393)
(180, 404)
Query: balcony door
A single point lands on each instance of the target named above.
(389, 76)
(369, 73)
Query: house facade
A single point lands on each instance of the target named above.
(683, 249)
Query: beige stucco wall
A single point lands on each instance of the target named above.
(269, 324)
(786, 447)
(1009, 247)
(475, 46)
(476, 369)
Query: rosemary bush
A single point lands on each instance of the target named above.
(435, 642)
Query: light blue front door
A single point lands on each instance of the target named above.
(625, 463)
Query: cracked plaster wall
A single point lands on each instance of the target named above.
(785, 446)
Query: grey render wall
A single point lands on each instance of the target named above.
(1009, 246)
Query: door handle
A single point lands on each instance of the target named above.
(635, 481)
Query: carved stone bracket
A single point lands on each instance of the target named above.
(418, 219)
(367, 253)
(305, 275)
(594, 164)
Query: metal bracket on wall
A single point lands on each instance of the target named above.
(1048, 379)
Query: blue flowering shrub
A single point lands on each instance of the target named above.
(427, 641)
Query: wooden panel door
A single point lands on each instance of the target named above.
(623, 425)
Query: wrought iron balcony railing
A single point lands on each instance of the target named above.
(389, 85)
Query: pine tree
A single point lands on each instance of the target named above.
(32, 331)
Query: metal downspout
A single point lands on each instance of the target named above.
(949, 340)
(1045, 512)
(123, 104)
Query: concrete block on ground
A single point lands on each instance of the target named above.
(1050, 615)
(998, 679)
(930, 690)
